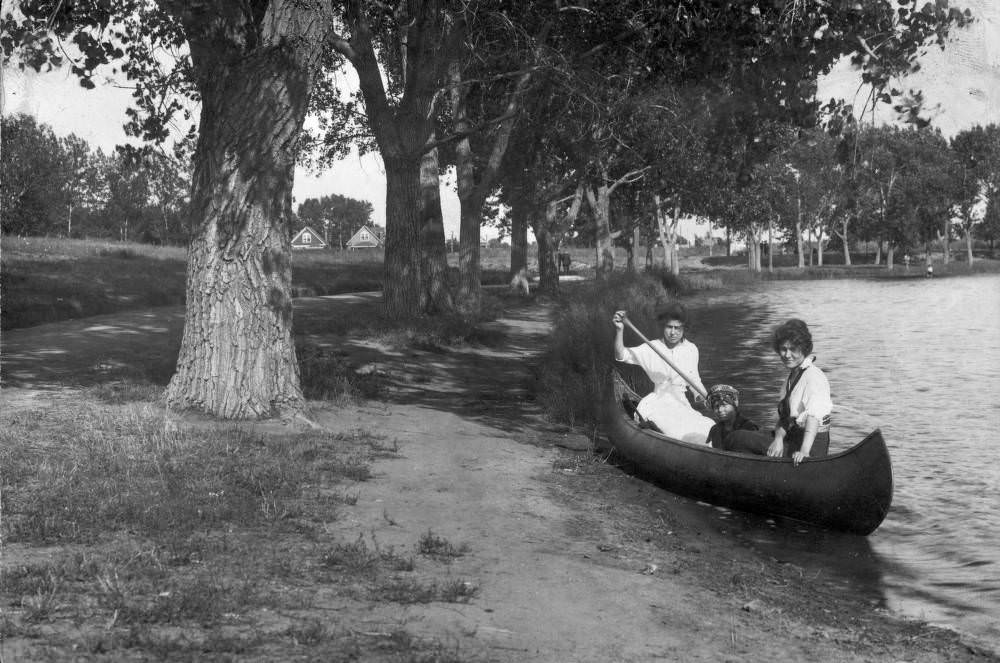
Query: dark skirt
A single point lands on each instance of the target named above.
(757, 442)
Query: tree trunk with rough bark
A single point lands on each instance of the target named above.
(433, 252)
(403, 294)
(469, 299)
(237, 356)
(968, 242)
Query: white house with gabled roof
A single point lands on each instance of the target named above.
(307, 238)
(367, 237)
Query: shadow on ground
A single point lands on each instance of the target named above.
(490, 382)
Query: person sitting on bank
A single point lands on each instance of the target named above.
(724, 401)
(803, 427)
(667, 405)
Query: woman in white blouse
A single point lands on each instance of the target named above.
(803, 427)
(804, 409)
(667, 405)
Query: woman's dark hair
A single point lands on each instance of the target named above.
(796, 332)
(673, 311)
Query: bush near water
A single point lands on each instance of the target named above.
(574, 367)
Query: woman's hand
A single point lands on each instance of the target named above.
(618, 320)
(797, 457)
(777, 448)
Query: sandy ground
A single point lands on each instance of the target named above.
(574, 558)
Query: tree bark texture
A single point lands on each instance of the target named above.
(469, 199)
(237, 357)
(433, 252)
(403, 295)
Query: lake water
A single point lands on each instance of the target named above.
(920, 359)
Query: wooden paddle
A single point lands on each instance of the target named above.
(694, 385)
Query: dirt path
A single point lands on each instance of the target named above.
(572, 559)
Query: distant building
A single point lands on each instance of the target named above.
(368, 237)
(307, 238)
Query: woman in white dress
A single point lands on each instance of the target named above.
(667, 405)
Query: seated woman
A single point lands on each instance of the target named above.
(803, 427)
(667, 405)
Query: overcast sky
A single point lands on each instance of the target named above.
(961, 84)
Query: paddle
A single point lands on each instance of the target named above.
(687, 378)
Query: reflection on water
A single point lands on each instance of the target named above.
(920, 359)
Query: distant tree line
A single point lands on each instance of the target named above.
(52, 185)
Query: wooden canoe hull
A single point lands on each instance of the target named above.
(850, 491)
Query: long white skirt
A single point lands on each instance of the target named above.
(675, 417)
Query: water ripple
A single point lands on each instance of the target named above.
(921, 360)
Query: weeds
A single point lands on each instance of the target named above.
(432, 545)
(122, 470)
(408, 590)
(572, 372)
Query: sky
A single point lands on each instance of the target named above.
(961, 87)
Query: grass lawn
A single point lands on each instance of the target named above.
(49, 279)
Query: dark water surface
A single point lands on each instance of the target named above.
(920, 359)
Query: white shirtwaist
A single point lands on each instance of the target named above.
(667, 406)
(811, 396)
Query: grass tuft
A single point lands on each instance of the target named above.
(432, 545)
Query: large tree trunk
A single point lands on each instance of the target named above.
(469, 198)
(968, 242)
(237, 356)
(433, 252)
(798, 244)
(402, 130)
(403, 294)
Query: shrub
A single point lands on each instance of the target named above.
(573, 370)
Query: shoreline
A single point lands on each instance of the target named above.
(568, 555)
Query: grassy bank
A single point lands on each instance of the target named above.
(47, 279)
(197, 542)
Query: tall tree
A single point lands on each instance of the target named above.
(33, 177)
(977, 177)
(252, 67)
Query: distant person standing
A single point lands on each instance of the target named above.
(930, 266)
(906, 260)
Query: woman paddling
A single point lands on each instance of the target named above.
(667, 405)
(803, 427)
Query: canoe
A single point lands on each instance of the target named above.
(849, 491)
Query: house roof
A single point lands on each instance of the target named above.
(375, 236)
(307, 238)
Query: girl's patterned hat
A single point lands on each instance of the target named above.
(723, 393)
